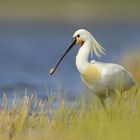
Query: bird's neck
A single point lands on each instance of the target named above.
(82, 56)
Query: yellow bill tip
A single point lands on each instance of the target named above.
(52, 71)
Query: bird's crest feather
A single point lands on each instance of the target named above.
(97, 48)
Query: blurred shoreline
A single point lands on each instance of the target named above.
(72, 12)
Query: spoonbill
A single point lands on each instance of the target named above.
(103, 79)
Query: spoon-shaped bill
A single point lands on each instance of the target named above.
(52, 70)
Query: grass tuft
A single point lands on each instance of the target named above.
(37, 119)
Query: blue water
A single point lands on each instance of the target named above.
(29, 49)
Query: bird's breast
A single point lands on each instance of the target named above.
(91, 74)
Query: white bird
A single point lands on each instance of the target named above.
(103, 79)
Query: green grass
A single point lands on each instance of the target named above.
(121, 120)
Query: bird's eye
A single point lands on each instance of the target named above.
(78, 36)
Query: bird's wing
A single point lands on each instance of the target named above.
(115, 77)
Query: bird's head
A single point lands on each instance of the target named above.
(81, 36)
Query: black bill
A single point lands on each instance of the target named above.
(52, 70)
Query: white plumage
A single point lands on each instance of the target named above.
(101, 78)
(113, 77)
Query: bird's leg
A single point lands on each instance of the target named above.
(102, 98)
(102, 101)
